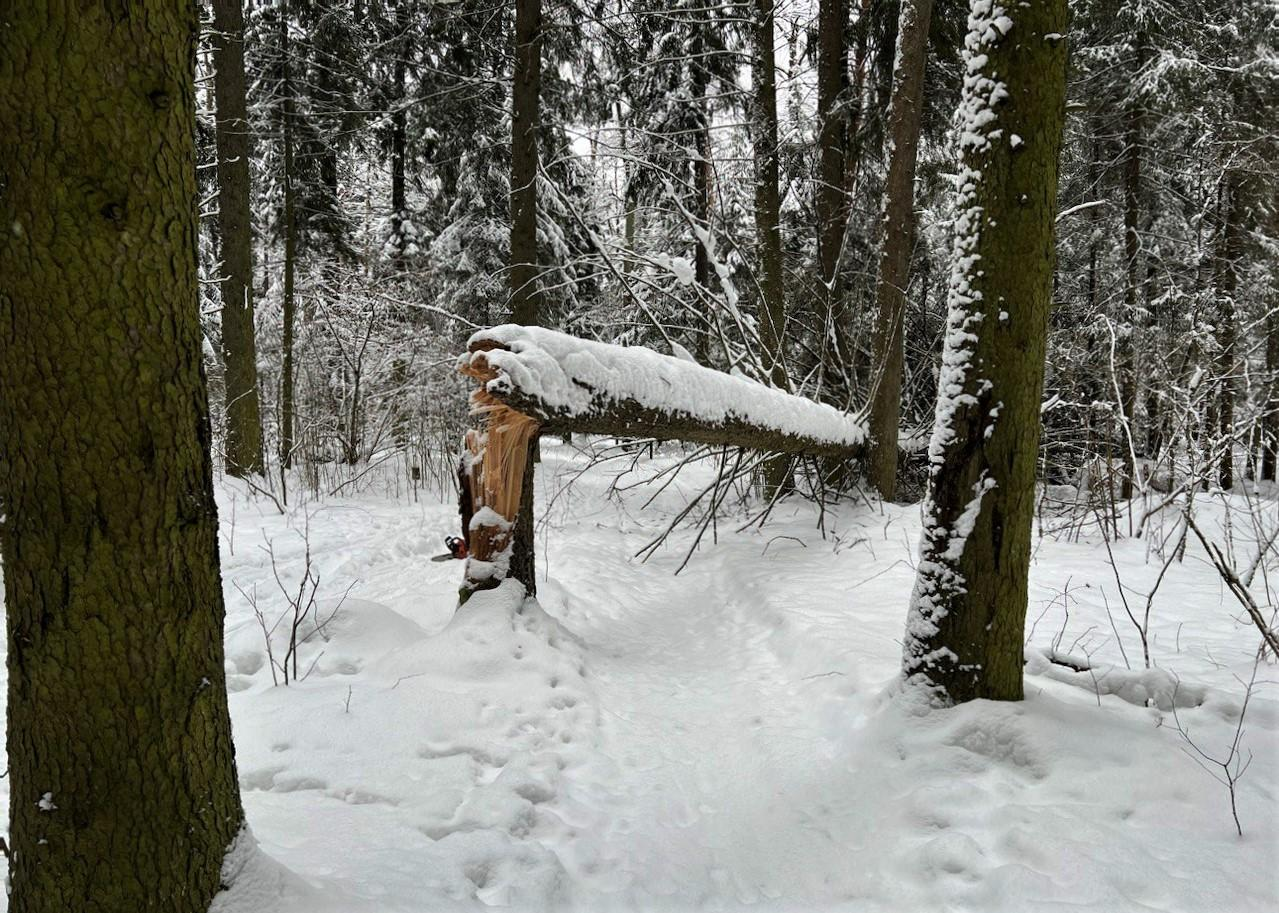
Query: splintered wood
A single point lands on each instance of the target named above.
(495, 458)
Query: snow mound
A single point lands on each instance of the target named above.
(1143, 687)
(451, 750)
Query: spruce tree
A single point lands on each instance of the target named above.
(898, 227)
(123, 793)
(967, 613)
(235, 228)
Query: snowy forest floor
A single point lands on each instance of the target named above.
(637, 740)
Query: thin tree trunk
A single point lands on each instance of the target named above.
(768, 233)
(1151, 343)
(704, 181)
(525, 299)
(327, 100)
(1094, 216)
(399, 135)
(967, 614)
(239, 346)
(857, 101)
(121, 772)
(702, 185)
(850, 367)
(896, 242)
(525, 101)
(1270, 420)
(290, 246)
(1227, 332)
(628, 191)
(831, 201)
(1126, 368)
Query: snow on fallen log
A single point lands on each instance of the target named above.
(571, 384)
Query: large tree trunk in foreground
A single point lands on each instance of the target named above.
(896, 241)
(239, 347)
(768, 230)
(123, 793)
(525, 298)
(967, 614)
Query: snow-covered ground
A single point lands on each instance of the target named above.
(725, 737)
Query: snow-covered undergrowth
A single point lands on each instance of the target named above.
(727, 737)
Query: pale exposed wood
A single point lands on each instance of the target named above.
(498, 451)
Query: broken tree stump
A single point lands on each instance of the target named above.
(493, 457)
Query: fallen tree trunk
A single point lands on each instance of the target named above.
(576, 385)
(534, 380)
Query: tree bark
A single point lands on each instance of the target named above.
(1270, 420)
(1229, 255)
(1270, 417)
(290, 245)
(123, 792)
(617, 415)
(239, 345)
(897, 239)
(525, 102)
(1126, 367)
(768, 232)
(704, 181)
(967, 613)
(832, 98)
(861, 43)
(627, 419)
(525, 298)
(849, 364)
(399, 134)
(830, 198)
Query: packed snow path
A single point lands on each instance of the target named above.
(718, 751)
(725, 738)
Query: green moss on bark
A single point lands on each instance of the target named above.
(121, 767)
(965, 631)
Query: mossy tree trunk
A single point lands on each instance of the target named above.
(896, 240)
(123, 793)
(768, 228)
(239, 345)
(967, 614)
(525, 298)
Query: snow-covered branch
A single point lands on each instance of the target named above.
(572, 384)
